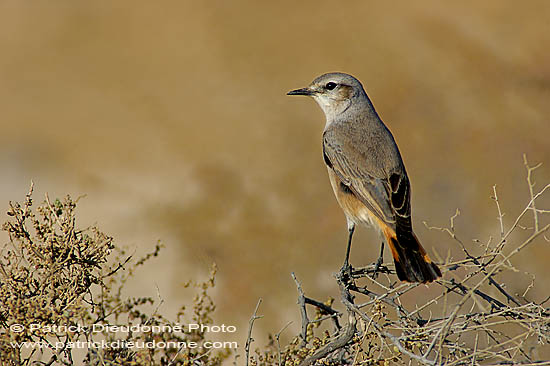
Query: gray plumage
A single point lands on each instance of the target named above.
(366, 170)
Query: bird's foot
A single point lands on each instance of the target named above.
(377, 266)
(379, 262)
(345, 274)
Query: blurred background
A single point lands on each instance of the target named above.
(171, 117)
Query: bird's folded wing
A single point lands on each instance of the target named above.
(385, 197)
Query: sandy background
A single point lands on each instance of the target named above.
(172, 118)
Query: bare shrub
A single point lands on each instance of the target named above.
(56, 274)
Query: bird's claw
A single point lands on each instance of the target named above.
(345, 273)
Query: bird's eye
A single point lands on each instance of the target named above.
(330, 86)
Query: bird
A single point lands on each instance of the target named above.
(367, 173)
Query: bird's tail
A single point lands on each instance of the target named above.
(412, 263)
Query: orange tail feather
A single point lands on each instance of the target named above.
(412, 263)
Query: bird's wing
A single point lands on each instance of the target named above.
(387, 197)
(400, 201)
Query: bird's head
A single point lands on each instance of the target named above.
(334, 92)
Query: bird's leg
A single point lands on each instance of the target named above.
(380, 259)
(351, 229)
(346, 268)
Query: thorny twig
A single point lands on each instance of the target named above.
(277, 338)
(249, 338)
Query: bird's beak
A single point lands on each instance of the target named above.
(303, 91)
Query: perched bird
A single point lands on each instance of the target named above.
(367, 173)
